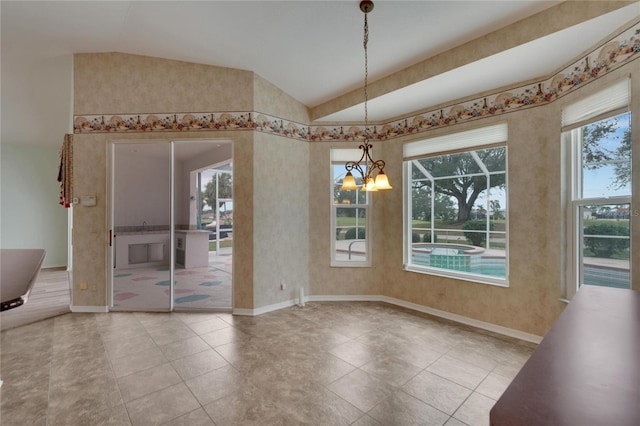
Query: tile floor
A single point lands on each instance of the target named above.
(146, 288)
(331, 363)
(49, 298)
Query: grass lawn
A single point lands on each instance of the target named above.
(499, 225)
(349, 221)
(223, 244)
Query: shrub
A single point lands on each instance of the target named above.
(427, 237)
(477, 238)
(351, 233)
(606, 247)
(415, 237)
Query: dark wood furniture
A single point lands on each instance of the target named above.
(586, 370)
(20, 267)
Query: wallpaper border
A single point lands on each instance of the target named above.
(618, 51)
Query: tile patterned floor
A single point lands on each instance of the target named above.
(148, 287)
(331, 363)
(50, 297)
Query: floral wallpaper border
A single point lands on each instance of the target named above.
(616, 52)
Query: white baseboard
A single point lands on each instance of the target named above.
(89, 309)
(431, 311)
(264, 309)
(528, 337)
(346, 298)
(533, 338)
(244, 312)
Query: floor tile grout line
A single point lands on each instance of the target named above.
(469, 396)
(49, 390)
(199, 403)
(424, 402)
(116, 380)
(327, 346)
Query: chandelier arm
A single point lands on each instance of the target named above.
(379, 165)
(353, 165)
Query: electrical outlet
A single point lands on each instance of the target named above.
(283, 286)
(84, 285)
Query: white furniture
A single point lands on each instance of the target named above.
(192, 248)
(139, 249)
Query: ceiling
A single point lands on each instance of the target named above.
(310, 49)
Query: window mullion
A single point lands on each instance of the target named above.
(347, 253)
(457, 259)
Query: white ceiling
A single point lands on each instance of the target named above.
(310, 49)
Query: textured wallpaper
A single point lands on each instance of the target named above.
(281, 190)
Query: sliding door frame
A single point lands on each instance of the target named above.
(110, 258)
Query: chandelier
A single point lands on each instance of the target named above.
(371, 171)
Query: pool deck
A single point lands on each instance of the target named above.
(343, 245)
(589, 261)
(607, 263)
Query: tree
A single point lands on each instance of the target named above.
(596, 155)
(468, 181)
(444, 208)
(475, 231)
(346, 197)
(225, 189)
(494, 205)
(595, 239)
(593, 153)
(622, 169)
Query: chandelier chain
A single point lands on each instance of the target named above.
(366, 77)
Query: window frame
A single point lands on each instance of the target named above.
(572, 138)
(493, 136)
(339, 157)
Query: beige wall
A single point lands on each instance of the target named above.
(530, 303)
(282, 204)
(280, 218)
(91, 231)
(118, 83)
(536, 234)
(323, 278)
(271, 100)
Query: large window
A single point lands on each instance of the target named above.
(599, 147)
(456, 205)
(349, 216)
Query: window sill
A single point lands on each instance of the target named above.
(350, 265)
(479, 279)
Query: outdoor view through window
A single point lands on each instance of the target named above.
(602, 200)
(458, 211)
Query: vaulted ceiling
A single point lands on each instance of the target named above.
(421, 53)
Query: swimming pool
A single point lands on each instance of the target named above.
(453, 257)
(457, 260)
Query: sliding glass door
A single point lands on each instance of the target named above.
(171, 221)
(203, 210)
(141, 228)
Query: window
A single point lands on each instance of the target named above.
(456, 205)
(349, 215)
(598, 140)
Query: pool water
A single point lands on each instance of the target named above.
(454, 260)
(447, 251)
